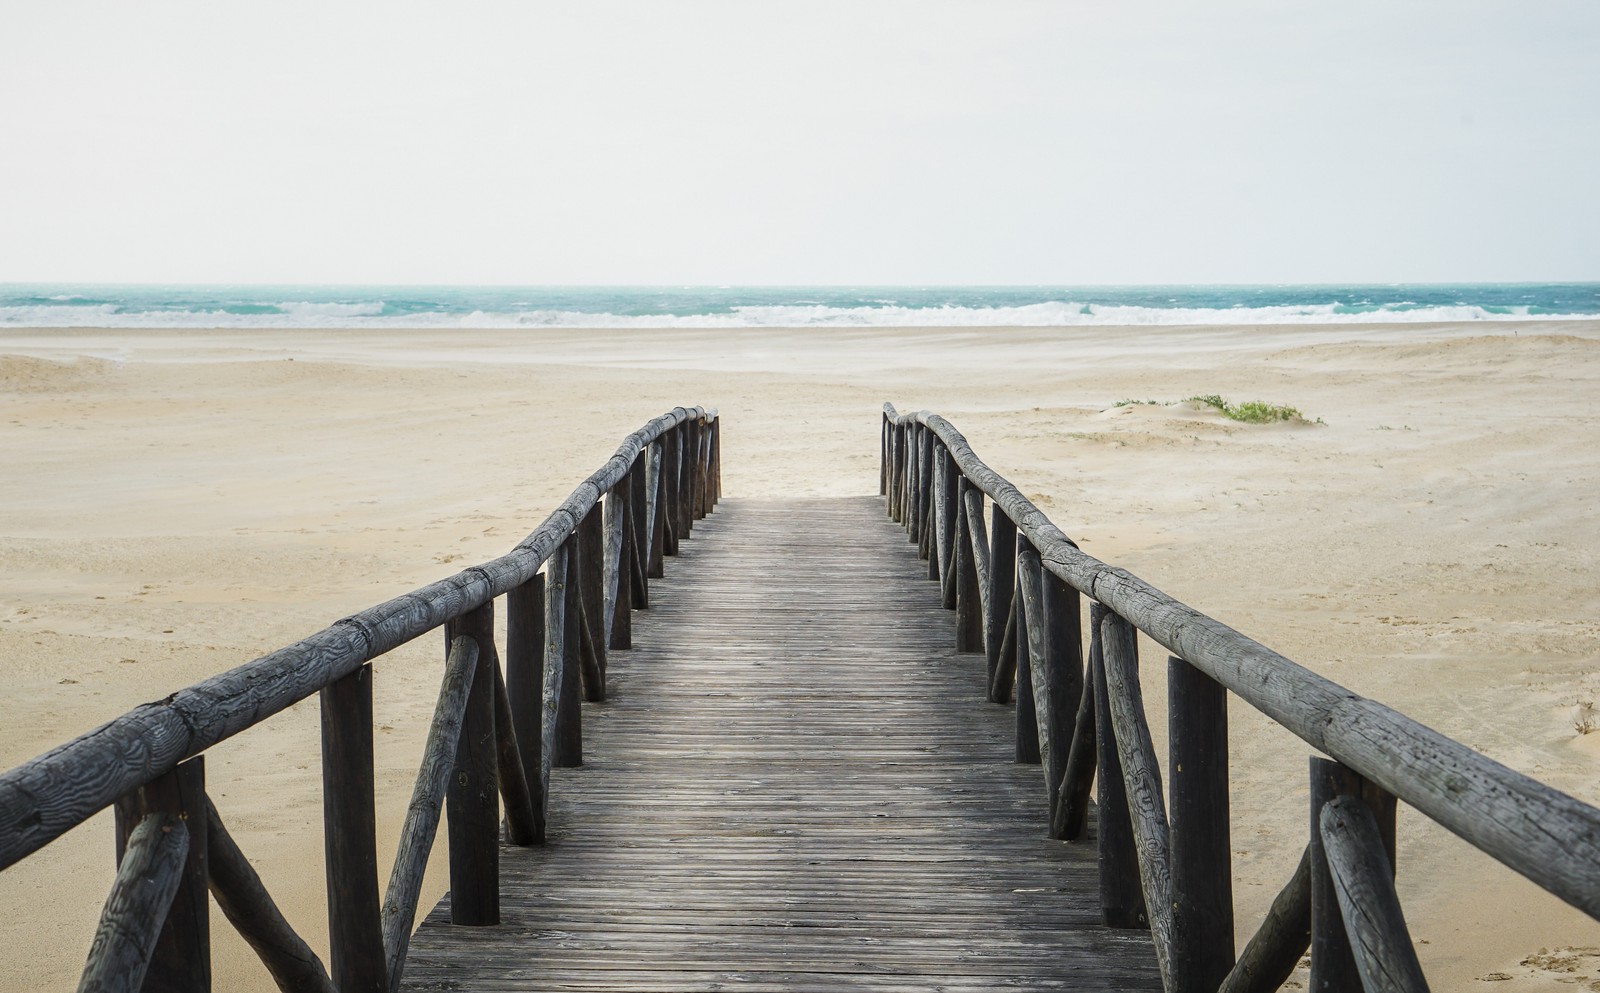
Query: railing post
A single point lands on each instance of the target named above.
(619, 568)
(684, 498)
(914, 483)
(671, 451)
(716, 461)
(925, 495)
(656, 510)
(525, 641)
(355, 924)
(1333, 964)
(473, 800)
(563, 630)
(950, 510)
(969, 613)
(938, 553)
(883, 455)
(1053, 642)
(1202, 856)
(1022, 661)
(1003, 548)
(181, 961)
(589, 566)
(639, 530)
(1121, 893)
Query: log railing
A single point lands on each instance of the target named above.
(1015, 582)
(499, 726)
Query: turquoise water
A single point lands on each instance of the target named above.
(84, 305)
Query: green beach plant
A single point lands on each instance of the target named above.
(1250, 411)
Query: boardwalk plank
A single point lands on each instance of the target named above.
(795, 785)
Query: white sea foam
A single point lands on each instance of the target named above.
(302, 314)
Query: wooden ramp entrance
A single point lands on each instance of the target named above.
(795, 784)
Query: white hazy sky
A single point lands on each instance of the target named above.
(764, 141)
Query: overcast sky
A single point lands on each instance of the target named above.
(679, 141)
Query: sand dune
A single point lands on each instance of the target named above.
(176, 503)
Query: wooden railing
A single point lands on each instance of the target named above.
(1015, 583)
(494, 734)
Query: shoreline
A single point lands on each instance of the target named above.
(1417, 547)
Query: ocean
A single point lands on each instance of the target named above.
(132, 306)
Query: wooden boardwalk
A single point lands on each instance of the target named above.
(796, 785)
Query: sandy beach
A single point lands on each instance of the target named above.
(174, 503)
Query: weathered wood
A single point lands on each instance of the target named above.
(473, 810)
(42, 798)
(562, 656)
(1141, 777)
(427, 802)
(524, 678)
(688, 447)
(969, 609)
(522, 823)
(925, 501)
(1333, 960)
(671, 466)
(148, 878)
(619, 569)
(697, 481)
(1053, 646)
(1027, 723)
(1002, 584)
(938, 552)
(1273, 952)
(656, 512)
(639, 531)
(244, 900)
(1363, 879)
(1538, 831)
(1202, 854)
(794, 845)
(913, 481)
(1121, 891)
(591, 583)
(1333, 964)
(1071, 815)
(978, 535)
(950, 512)
(181, 961)
(883, 456)
(350, 840)
(1005, 676)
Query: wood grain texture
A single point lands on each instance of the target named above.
(1202, 855)
(350, 841)
(50, 794)
(181, 960)
(1274, 950)
(130, 923)
(805, 792)
(1548, 836)
(427, 803)
(1364, 881)
(244, 900)
(472, 796)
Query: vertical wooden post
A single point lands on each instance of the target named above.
(697, 473)
(656, 510)
(716, 461)
(1026, 703)
(938, 554)
(639, 530)
(969, 612)
(619, 568)
(684, 501)
(925, 500)
(1121, 892)
(473, 800)
(1333, 964)
(1003, 548)
(181, 961)
(1054, 642)
(590, 583)
(950, 511)
(563, 636)
(914, 482)
(1072, 800)
(884, 456)
(1202, 855)
(525, 641)
(355, 923)
(671, 452)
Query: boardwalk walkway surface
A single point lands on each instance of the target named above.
(795, 785)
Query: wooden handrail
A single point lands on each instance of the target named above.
(1380, 754)
(601, 554)
(48, 795)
